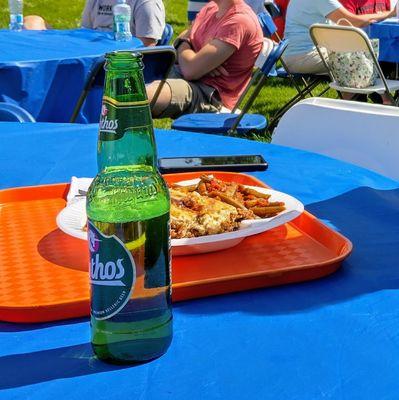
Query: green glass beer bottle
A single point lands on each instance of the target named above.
(128, 225)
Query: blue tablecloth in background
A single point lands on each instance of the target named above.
(335, 338)
(388, 33)
(44, 71)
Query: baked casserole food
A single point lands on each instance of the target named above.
(195, 215)
(212, 206)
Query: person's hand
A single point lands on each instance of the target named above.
(185, 34)
(220, 70)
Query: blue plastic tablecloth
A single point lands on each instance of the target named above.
(388, 33)
(44, 71)
(334, 338)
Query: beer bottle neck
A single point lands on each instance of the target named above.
(126, 130)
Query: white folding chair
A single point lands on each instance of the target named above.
(350, 39)
(363, 134)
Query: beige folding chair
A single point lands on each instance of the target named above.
(350, 39)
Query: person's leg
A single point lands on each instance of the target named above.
(174, 100)
(306, 63)
(311, 63)
(390, 72)
(389, 69)
(34, 23)
(163, 99)
(179, 96)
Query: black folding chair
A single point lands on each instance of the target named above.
(272, 8)
(158, 62)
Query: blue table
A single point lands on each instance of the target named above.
(388, 33)
(44, 71)
(335, 338)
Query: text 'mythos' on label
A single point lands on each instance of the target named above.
(112, 273)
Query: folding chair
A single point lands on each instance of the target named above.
(231, 123)
(350, 39)
(13, 113)
(309, 81)
(166, 35)
(194, 7)
(158, 62)
(272, 8)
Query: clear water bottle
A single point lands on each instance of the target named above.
(122, 16)
(16, 14)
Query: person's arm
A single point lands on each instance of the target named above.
(194, 66)
(230, 36)
(86, 17)
(358, 20)
(147, 41)
(149, 18)
(185, 34)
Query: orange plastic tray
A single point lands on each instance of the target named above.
(43, 274)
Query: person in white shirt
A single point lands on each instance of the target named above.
(147, 24)
(301, 55)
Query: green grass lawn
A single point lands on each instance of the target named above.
(64, 14)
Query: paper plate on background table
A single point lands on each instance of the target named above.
(71, 220)
(392, 20)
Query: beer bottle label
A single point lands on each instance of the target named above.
(112, 273)
(118, 117)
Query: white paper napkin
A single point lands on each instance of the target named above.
(78, 187)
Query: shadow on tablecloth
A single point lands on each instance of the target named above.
(46, 365)
(370, 219)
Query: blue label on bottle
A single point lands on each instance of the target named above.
(16, 19)
(122, 23)
(122, 27)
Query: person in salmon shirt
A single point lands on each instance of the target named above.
(215, 58)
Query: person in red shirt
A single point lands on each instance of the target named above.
(215, 60)
(361, 7)
(280, 20)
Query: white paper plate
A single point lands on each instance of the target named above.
(393, 20)
(71, 220)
